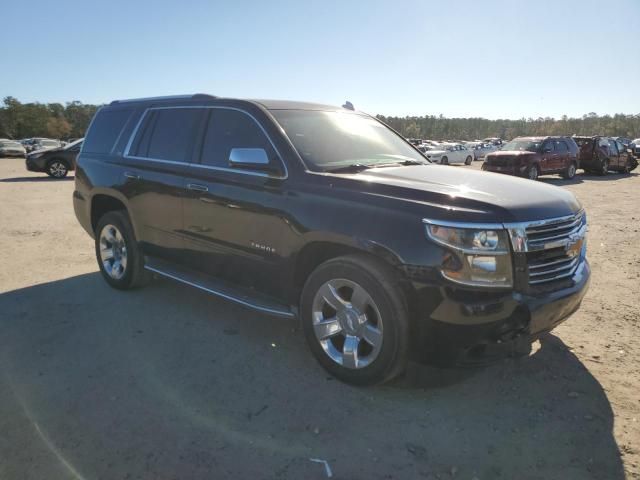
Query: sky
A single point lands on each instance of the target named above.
(457, 58)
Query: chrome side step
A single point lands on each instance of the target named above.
(216, 287)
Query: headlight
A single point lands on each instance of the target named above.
(477, 256)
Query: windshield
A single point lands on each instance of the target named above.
(330, 140)
(522, 145)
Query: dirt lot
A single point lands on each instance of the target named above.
(167, 382)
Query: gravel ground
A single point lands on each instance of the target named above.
(167, 382)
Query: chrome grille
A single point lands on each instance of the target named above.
(553, 248)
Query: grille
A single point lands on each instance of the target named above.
(554, 248)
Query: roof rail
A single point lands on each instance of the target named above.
(168, 97)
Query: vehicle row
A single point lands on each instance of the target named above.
(531, 157)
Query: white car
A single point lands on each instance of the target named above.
(450, 153)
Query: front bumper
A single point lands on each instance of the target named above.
(451, 324)
(506, 169)
(33, 165)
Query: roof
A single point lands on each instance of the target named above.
(268, 104)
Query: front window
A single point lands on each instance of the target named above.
(522, 146)
(332, 140)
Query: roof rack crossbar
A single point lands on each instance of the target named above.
(168, 97)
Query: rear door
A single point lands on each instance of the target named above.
(622, 154)
(614, 154)
(235, 218)
(549, 156)
(561, 161)
(157, 161)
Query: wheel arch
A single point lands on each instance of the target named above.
(107, 201)
(316, 252)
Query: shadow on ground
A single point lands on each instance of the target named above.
(46, 178)
(167, 382)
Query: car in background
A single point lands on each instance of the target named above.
(497, 141)
(533, 156)
(55, 162)
(11, 148)
(624, 141)
(635, 147)
(601, 154)
(35, 144)
(446, 154)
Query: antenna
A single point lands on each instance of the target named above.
(348, 105)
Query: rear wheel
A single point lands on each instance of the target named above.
(532, 173)
(444, 161)
(57, 168)
(604, 167)
(120, 260)
(627, 167)
(355, 320)
(468, 160)
(570, 172)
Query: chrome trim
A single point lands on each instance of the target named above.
(281, 313)
(200, 165)
(519, 232)
(468, 225)
(557, 277)
(572, 263)
(548, 264)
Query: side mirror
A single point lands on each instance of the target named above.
(250, 158)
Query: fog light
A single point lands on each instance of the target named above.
(484, 264)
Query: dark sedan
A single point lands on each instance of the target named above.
(56, 162)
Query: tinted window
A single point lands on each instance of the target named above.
(227, 129)
(612, 147)
(548, 145)
(561, 147)
(167, 134)
(105, 129)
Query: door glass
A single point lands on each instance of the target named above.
(229, 129)
(167, 134)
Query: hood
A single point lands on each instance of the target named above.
(450, 193)
(46, 149)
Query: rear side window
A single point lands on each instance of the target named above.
(167, 134)
(105, 129)
(227, 129)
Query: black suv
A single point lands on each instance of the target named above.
(326, 214)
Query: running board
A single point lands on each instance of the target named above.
(216, 287)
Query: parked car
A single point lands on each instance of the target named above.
(450, 153)
(297, 209)
(483, 149)
(624, 141)
(11, 148)
(35, 144)
(497, 141)
(55, 162)
(533, 156)
(601, 154)
(635, 147)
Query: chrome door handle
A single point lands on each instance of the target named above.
(132, 176)
(197, 187)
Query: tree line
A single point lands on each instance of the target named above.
(54, 120)
(51, 120)
(441, 128)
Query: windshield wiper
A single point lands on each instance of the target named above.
(358, 167)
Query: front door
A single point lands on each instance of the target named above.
(549, 156)
(234, 220)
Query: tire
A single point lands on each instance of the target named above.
(120, 260)
(604, 167)
(444, 161)
(57, 168)
(532, 173)
(570, 172)
(468, 160)
(376, 326)
(627, 167)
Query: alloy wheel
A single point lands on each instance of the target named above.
(347, 323)
(113, 252)
(57, 169)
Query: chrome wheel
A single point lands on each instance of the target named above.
(533, 173)
(571, 171)
(347, 323)
(113, 252)
(57, 169)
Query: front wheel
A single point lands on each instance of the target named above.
(355, 320)
(57, 169)
(468, 160)
(120, 260)
(532, 174)
(444, 161)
